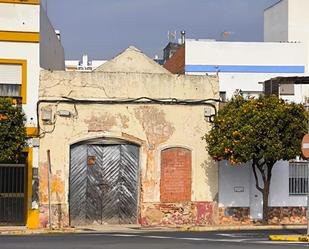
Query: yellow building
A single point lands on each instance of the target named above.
(28, 43)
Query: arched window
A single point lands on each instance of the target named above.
(176, 170)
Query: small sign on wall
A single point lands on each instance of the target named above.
(239, 189)
(286, 89)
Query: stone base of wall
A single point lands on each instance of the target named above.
(174, 214)
(60, 217)
(234, 216)
(276, 215)
(188, 213)
(287, 215)
(151, 214)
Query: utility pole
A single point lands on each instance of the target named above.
(305, 154)
(307, 107)
(49, 191)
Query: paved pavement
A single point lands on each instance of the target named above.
(255, 239)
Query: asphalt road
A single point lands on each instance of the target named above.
(152, 240)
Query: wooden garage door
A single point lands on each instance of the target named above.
(104, 184)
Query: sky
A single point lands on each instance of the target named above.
(104, 28)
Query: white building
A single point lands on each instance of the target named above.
(287, 21)
(84, 65)
(242, 65)
(245, 66)
(28, 42)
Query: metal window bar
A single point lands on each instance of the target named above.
(12, 194)
(298, 178)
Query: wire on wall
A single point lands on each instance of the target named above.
(138, 101)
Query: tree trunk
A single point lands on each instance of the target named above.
(265, 201)
(265, 169)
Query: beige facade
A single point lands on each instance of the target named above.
(77, 106)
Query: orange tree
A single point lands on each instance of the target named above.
(261, 131)
(12, 130)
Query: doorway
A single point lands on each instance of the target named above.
(13, 194)
(104, 180)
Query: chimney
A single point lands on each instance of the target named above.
(183, 37)
(85, 61)
(58, 34)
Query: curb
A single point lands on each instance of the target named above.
(290, 238)
(238, 228)
(33, 232)
(167, 229)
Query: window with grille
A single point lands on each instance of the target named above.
(10, 80)
(298, 178)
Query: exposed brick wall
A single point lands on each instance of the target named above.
(176, 64)
(184, 213)
(176, 170)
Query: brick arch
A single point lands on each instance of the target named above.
(176, 175)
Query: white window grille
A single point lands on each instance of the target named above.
(9, 90)
(298, 178)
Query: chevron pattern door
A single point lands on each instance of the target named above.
(104, 184)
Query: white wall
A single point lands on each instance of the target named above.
(19, 17)
(29, 52)
(298, 20)
(251, 82)
(276, 22)
(301, 94)
(231, 176)
(279, 190)
(51, 50)
(244, 53)
(287, 21)
(214, 53)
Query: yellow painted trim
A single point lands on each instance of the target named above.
(23, 63)
(12, 36)
(31, 131)
(23, 93)
(290, 238)
(34, 2)
(33, 219)
(29, 170)
(32, 215)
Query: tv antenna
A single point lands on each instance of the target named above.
(171, 36)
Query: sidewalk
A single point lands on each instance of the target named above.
(21, 230)
(240, 227)
(140, 229)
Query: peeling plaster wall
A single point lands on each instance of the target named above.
(101, 85)
(152, 126)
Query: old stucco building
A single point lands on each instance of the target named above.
(126, 145)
